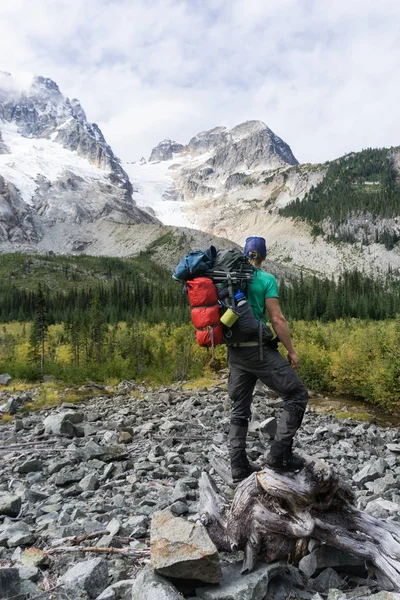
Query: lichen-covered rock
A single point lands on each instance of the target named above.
(183, 550)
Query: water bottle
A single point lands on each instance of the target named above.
(240, 299)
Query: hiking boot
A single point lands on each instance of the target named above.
(282, 458)
(240, 466)
(293, 463)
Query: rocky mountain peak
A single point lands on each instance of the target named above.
(207, 140)
(42, 111)
(77, 110)
(165, 150)
(248, 128)
(43, 85)
(249, 145)
(71, 176)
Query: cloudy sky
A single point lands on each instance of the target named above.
(323, 74)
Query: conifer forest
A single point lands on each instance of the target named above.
(91, 318)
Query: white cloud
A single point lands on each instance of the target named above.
(323, 75)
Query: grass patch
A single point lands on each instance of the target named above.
(53, 393)
(18, 386)
(355, 416)
(205, 381)
(5, 419)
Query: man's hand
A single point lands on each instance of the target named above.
(293, 359)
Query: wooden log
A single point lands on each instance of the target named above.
(273, 515)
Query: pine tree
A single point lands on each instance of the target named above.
(98, 329)
(39, 330)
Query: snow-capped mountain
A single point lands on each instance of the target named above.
(178, 176)
(55, 166)
(63, 189)
(234, 183)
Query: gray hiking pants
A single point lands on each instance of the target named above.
(245, 367)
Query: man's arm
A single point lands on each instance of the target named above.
(281, 329)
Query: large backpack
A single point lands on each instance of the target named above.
(206, 311)
(212, 280)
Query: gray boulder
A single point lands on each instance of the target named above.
(10, 505)
(30, 466)
(14, 403)
(370, 472)
(381, 508)
(63, 423)
(269, 427)
(182, 549)
(5, 379)
(122, 590)
(235, 586)
(16, 534)
(382, 485)
(150, 586)
(137, 526)
(10, 584)
(327, 580)
(90, 576)
(393, 448)
(89, 483)
(325, 556)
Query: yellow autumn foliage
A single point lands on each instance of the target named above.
(353, 357)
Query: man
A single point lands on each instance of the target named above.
(246, 366)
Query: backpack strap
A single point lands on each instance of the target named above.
(230, 289)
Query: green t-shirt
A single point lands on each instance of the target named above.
(263, 286)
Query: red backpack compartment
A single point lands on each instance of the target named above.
(212, 336)
(204, 316)
(203, 298)
(202, 292)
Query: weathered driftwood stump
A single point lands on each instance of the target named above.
(273, 516)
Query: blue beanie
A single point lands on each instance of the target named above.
(255, 244)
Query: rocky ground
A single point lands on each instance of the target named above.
(79, 485)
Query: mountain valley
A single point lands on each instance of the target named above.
(63, 190)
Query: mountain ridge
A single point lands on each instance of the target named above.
(239, 202)
(62, 189)
(55, 166)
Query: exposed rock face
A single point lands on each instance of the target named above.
(70, 175)
(233, 183)
(165, 150)
(252, 145)
(208, 140)
(3, 147)
(16, 219)
(247, 146)
(43, 111)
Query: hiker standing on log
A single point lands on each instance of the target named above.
(247, 364)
